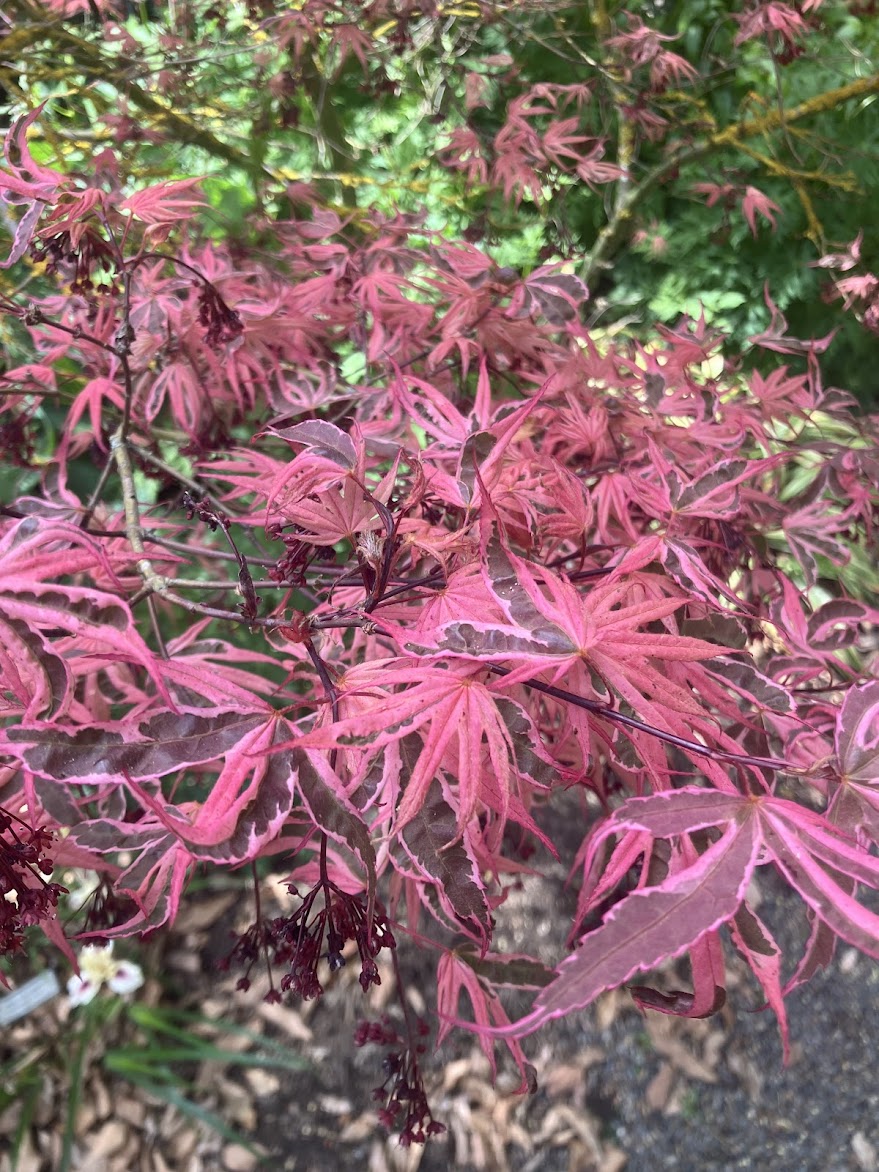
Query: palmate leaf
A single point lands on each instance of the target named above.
(244, 812)
(423, 724)
(758, 946)
(31, 673)
(601, 646)
(652, 925)
(163, 203)
(752, 685)
(553, 626)
(705, 888)
(36, 613)
(813, 531)
(99, 622)
(461, 726)
(26, 182)
(755, 203)
(324, 439)
(682, 562)
(330, 809)
(432, 841)
(561, 634)
(247, 804)
(139, 750)
(714, 494)
(857, 736)
(456, 974)
(24, 231)
(507, 970)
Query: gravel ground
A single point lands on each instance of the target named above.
(617, 1089)
(620, 1089)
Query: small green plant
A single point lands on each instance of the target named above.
(168, 1045)
(156, 1048)
(690, 1107)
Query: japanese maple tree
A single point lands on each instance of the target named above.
(357, 547)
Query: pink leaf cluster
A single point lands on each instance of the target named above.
(422, 552)
(753, 201)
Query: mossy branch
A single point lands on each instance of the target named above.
(88, 57)
(622, 223)
(625, 130)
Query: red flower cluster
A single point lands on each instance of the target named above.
(25, 896)
(302, 940)
(402, 1094)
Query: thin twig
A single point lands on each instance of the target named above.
(157, 630)
(615, 717)
(94, 499)
(181, 477)
(156, 583)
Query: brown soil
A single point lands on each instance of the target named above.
(616, 1089)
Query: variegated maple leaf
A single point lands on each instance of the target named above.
(478, 743)
(721, 839)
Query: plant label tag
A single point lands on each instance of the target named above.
(28, 996)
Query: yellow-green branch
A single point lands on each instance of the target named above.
(622, 223)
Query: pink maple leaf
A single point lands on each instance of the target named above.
(465, 727)
(782, 25)
(756, 203)
(705, 887)
(456, 975)
(26, 182)
(776, 336)
(715, 192)
(842, 260)
(163, 203)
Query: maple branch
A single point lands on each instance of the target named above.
(204, 551)
(157, 583)
(131, 509)
(333, 696)
(611, 714)
(616, 233)
(211, 584)
(626, 131)
(329, 132)
(844, 182)
(85, 519)
(32, 315)
(434, 581)
(412, 1030)
(181, 477)
(156, 627)
(218, 519)
(344, 623)
(124, 336)
(329, 687)
(94, 64)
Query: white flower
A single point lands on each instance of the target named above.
(97, 967)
